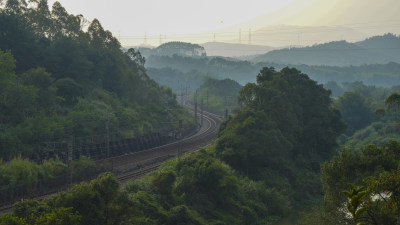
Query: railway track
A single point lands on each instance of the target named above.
(142, 160)
(136, 165)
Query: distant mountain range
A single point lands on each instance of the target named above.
(284, 35)
(374, 50)
(234, 50)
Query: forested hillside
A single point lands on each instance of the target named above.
(264, 167)
(375, 50)
(62, 76)
(293, 151)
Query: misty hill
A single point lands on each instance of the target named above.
(234, 50)
(164, 68)
(216, 67)
(174, 48)
(177, 80)
(374, 50)
(285, 35)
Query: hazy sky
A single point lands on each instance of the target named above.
(170, 16)
(198, 21)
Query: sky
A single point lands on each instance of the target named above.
(153, 22)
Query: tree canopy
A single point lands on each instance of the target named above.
(60, 73)
(285, 128)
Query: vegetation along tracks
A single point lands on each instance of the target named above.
(131, 163)
(136, 165)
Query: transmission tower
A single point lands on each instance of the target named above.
(250, 36)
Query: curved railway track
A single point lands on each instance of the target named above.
(136, 165)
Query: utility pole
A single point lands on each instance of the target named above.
(186, 95)
(181, 94)
(201, 109)
(225, 101)
(226, 113)
(195, 108)
(240, 36)
(107, 134)
(250, 36)
(207, 100)
(70, 144)
(180, 139)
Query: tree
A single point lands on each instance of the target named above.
(65, 25)
(43, 81)
(15, 6)
(136, 57)
(40, 18)
(354, 203)
(374, 168)
(69, 89)
(393, 103)
(101, 38)
(16, 101)
(285, 128)
(356, 111)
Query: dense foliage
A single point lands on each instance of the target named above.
(374, 167)
(218, 95)
(370, 113)
(196, 189)
(21, 177)
(61, 75)
(284, 130)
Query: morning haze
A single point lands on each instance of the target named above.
(214, 112)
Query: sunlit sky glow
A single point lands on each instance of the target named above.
(156, 21)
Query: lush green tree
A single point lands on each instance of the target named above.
(16, 6)
(136, 57)
(285, 128)
(43, 81)
(299, 112)
(17, 101)
(356, 111)
(384, 202)
(393, 103)
(354, 166)
(335, 88)
(69, 90)
(12, 220)
(354, 202)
